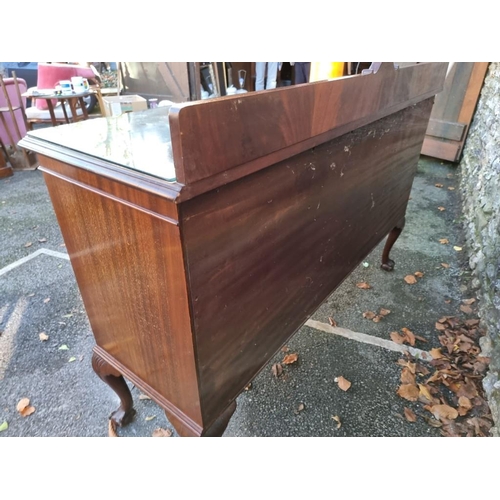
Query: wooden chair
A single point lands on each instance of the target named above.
(13, 116)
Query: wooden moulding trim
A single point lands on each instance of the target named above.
(101, 167)
(156, 396)
(245, 169)
(109, 196)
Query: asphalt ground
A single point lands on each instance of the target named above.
(39, 294)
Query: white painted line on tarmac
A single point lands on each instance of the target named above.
(369, 339)
(20, 262)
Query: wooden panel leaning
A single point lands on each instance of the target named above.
(198, 264)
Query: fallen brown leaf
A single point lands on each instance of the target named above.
(23, 403)
(337, 419)
(407, 377)
(24, 408)
(343, 383)
(436, 353)
(408, 391)
(285, 349)
(409, 415)
(451, 188)
(290, 358)
(424, 394)
(300, 408)
(441, 209)
(410, 337)
(418, 274)
(443, 412)
(112, 429)
(438, 185)
(363, 285)
(26, 245)
(277, 369)
(466, 309)
(369, 314)
(384, 312)
(446, 266)
(43, 336)
(377, 318)
(396, 337)
(46, 300)
(410, 279)
(248, 387)
(42, 240)
(468, 302)
(332, 321)
(444, 241)
(159, 432)
(440, 327)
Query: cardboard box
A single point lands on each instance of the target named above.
(116, 105)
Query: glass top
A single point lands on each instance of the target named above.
(139, 140)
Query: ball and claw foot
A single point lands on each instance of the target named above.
(120, 417)
(388, 266)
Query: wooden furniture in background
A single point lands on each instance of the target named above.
(203, 236)
(5, 168)
(453, 110)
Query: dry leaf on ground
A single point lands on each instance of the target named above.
(46, 300)
(418, 274)
(408, 391)
(438, 185)
(285, 349)
(410, 279)
(396, 337)
(468, 302)
(369, 314)
(277, 369)
(443, 412)
(451, 188)
(332, 321)
(4, 426)
(43, 336)
(441, 209)
(160, 432)
(24, 408)
(410, 337)
(28, 244)
(363, 285)
(446, 266)
(300, 408)
(147, 419)
(343, 383)
(337, 419)
(436, 353)
(384, 312)
(444, 241)
(248, 387)
(290, 358)
(457, 249)
(466, 309)
(409, 415)
(144, 396)
(112, 429)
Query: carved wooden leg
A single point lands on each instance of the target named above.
(124, 414)
(387, 263)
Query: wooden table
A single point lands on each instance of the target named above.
(74, 99)
(203, 236)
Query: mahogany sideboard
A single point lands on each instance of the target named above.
(204, 235)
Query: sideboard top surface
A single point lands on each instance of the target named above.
(140, 141)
